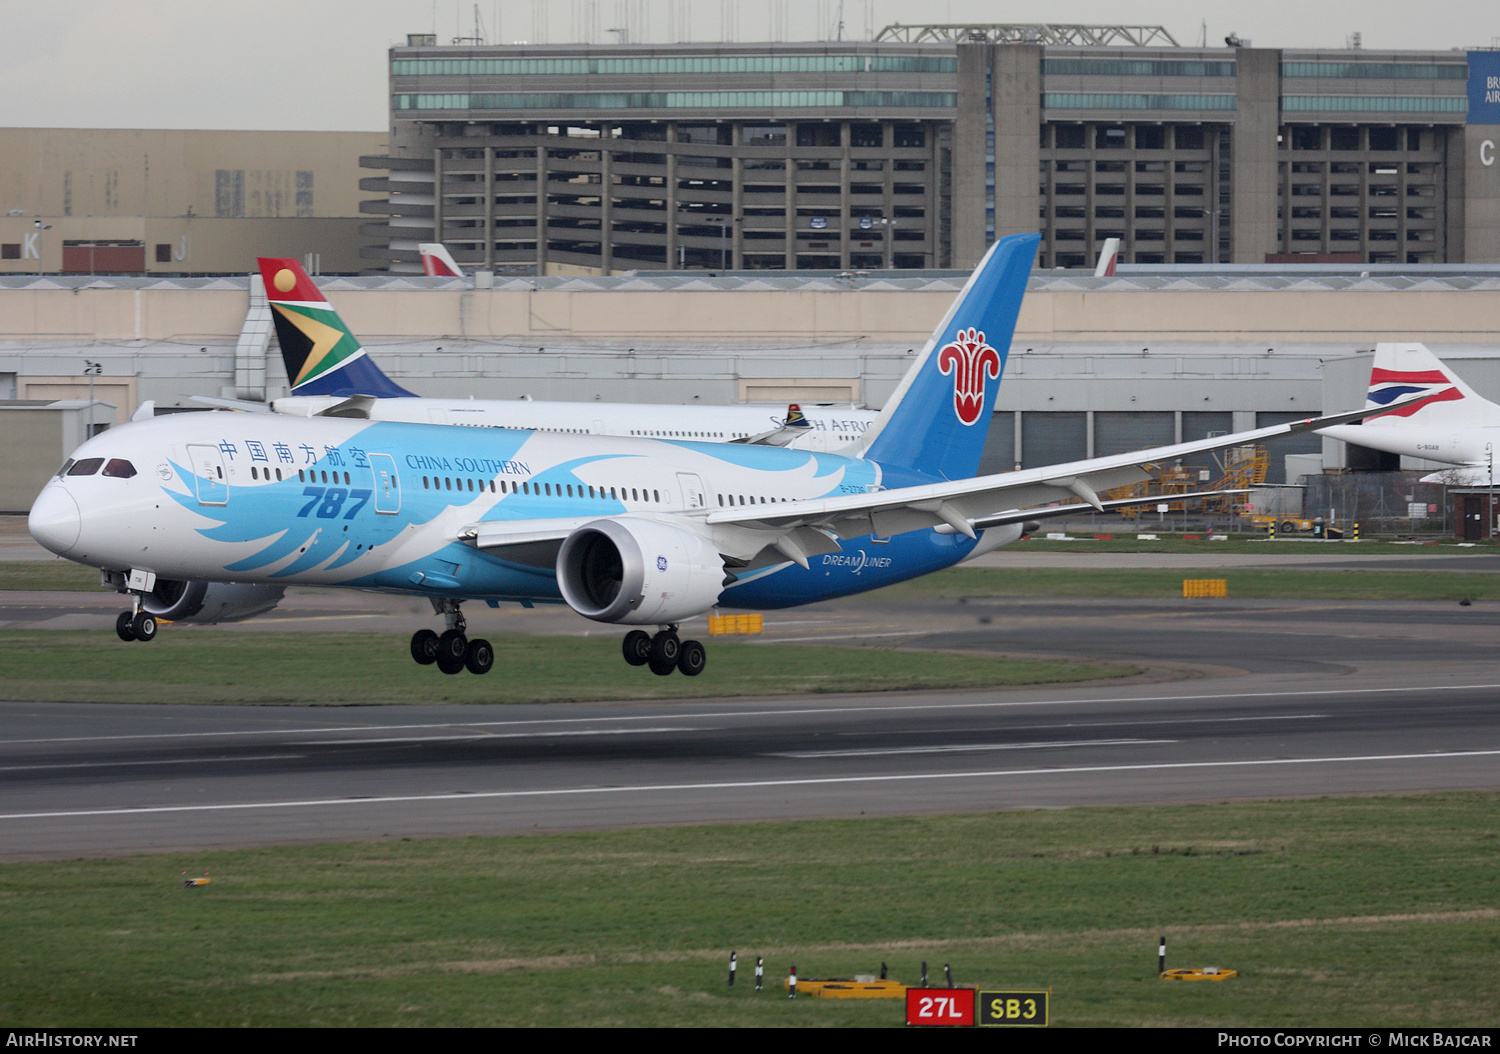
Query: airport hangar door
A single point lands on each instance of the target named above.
(1051, 437)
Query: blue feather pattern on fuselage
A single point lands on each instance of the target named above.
(313, 549)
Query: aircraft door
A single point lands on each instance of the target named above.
(387, 484)
(208, 470)
(693, 495)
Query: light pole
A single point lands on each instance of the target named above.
(723, 222)
(890, 241)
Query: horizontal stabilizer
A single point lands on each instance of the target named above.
(245, 405)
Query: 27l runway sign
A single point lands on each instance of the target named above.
(966, 1007)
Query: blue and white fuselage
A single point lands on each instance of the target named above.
(264, 498)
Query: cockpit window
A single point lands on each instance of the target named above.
(87, 467)
(119, 468)
(66, 465)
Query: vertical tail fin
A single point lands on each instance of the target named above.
(322, 356)
(1107, 258)
(937, 421)
(438, 261)
(1404, 370)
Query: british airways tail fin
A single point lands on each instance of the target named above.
(322, 357)
(936, 422)
(438, 261)
(1403, 371)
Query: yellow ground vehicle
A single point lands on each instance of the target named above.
(1284, 524)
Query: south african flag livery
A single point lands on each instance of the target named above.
(322, 357)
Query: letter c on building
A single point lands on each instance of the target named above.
(1487, 152)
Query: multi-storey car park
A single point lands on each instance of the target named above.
(915, 149)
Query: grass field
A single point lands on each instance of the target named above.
(1298, 547)
(1243, 583)
(365, 668)
(1355, 912)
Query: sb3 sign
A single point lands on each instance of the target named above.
(1014, 1008)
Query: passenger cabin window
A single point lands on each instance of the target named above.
(87, 467)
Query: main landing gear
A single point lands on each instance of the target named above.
(664, 652)
(452, 651)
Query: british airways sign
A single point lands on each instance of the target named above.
(1484, 87)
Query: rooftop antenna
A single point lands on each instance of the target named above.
(839, 29)
(478, 37)
(1353, 41)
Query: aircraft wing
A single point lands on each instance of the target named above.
(801, 529)
(530, 542)
(1078, 508)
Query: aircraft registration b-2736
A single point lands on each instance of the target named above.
(630, 531)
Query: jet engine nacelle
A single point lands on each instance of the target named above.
(638, 572)
(210, 602)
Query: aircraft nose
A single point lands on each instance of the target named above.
(55, 521)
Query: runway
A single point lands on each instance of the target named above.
(83, 780)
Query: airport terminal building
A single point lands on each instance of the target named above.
(914, 150)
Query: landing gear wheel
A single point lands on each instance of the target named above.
(665, 648)
(448, 664)
(637, 647)
(480, 656)
(123, 626)
(692, 658)
(424, 647)
(453, 645)
(143, 625)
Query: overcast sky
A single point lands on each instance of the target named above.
(320, 64)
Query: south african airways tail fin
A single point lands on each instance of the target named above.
(937, 421)
(322, 356)
(1404, 371)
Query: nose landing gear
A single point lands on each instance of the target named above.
(664, 652)
(137, 623)
(451, 651)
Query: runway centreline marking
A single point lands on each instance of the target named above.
(975, 729)
(502, 735)
(784, 712)
(128, 764)
(650, 788)
(966, 748)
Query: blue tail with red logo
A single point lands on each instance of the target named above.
(936, 423)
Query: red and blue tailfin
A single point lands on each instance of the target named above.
(1401, 371)
(937, 421)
